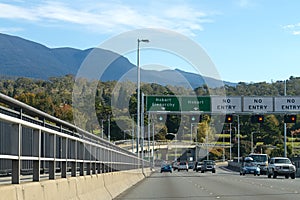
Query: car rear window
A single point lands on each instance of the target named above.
(287, 161)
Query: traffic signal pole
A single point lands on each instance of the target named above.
(284, 142)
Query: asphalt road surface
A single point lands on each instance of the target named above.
(221, 185)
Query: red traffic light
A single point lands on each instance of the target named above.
(229, 119)
(257, 118)
(290, 118)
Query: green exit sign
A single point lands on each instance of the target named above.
(195, 103)
(178, 104)
(162, 103)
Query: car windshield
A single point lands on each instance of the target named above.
(285, 161)
(259, 158)
(209, 162)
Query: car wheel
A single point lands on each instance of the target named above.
(202, 171)
(213, 171)
(241, 173)
(274, 175)
(293, 175)
(269, 174)
(287, 176)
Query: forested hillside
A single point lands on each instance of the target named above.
(54, 96)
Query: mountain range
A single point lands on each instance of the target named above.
(23, 58)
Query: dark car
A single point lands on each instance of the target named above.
(191, 165)
(208, 165)
(166, 168)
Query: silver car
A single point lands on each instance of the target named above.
(183, 166)
(281, 166)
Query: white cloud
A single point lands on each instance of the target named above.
(15, 12)
(111, 16)
(296, 32)
(294, 29)
(10, 30)
(246, 3)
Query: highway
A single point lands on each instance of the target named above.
(207, 186)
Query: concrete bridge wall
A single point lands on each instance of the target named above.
(101, 186)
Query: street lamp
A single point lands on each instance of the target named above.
(284, 127)
(138, 89)
(196, 156)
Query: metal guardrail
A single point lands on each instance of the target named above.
(33, 142)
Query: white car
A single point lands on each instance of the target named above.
(281, 166)
(183, 166)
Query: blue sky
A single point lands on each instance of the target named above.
(248, 40)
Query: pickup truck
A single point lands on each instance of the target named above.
(281, 166)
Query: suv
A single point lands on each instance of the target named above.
(261, 160)
(281, 166)
(183, 166)
(208, 165)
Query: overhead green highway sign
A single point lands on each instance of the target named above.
(195, 103)
(163, 103)
(178, 104)
(221, 104)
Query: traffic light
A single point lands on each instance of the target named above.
(290, 118)
(257, 118)
(228, 118)
(195, 118)
(161, 117)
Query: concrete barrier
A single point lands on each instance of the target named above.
(101, 187)
(235, 166)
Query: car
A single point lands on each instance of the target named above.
(249, 166)
(208, 165)
(183, 166)
(175, 165)
(281, 166)
(191, 165)
(197, 166)
(166, 168)
(261, 160)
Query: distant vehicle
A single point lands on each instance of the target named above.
(166, 168)
(197, 166)
(261, 160)
(249, 167)
(208, 165)
(281, 166)
(183, 166)
(175, 165)
(191, 165)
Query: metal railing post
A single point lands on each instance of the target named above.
(16, 138)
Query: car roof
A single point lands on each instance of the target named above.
(279, 158)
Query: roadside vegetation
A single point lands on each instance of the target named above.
(54, 96)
